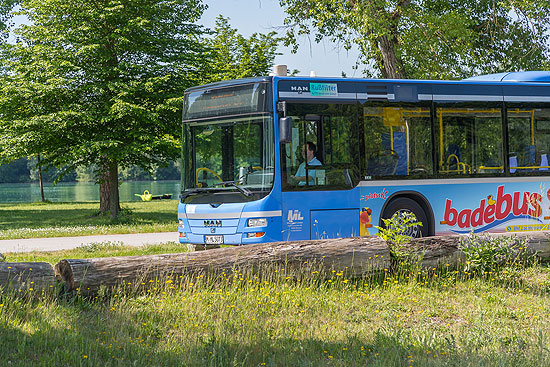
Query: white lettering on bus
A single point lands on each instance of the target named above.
(294, 215)
(375, 195)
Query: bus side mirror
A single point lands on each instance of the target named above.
(285, 130)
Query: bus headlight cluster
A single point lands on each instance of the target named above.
(257, 222)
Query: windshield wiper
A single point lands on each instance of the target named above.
(243, 190)
(185, 194)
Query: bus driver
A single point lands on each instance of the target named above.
(308, 152)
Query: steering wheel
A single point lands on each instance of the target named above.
(200, 184)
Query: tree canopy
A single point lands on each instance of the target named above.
(428, 38)
(5, 15)
(101, 83)
(235, 56)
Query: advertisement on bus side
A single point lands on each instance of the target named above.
(466, 207)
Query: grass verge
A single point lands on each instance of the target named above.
(80, 219)
(100, 249)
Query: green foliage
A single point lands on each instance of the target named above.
(15, 172)
(99, 84)
(486, 253)
(234, 56)
(434, 39)
(396, 232)
(5, 14)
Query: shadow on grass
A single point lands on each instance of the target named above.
(41, 216)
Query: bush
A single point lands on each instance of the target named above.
(395, 231)
(486, 253)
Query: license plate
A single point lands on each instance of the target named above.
(213, 240)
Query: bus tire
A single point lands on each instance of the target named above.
(411, 206)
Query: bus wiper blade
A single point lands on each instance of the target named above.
(243, 190)
(185, 194)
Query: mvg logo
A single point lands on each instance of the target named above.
(294, 215)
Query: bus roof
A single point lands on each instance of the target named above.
(526, 86)
(523, 76)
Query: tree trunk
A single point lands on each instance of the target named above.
(355, 256)
(27, 275)
(358, 255)
(109, 201)
(392, 67)
(39, 165)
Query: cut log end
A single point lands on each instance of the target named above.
(64, 274)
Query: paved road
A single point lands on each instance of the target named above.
(66, 243)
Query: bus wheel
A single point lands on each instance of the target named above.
(401, 205)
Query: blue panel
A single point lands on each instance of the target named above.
(466, 91)
(297, 205)
(214, 230)
(488, 78)
(527, 93)
(528, 76)
(334, 223)
(225, 222)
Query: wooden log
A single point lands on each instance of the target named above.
(27, 275)
(437, 251)
(444, 250)
(356, 255)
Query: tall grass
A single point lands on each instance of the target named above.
(290, 317)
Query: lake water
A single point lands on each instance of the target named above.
(83, 191)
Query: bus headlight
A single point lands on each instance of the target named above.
(257, 222)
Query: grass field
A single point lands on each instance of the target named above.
(103, 249)
(286, 318)
(79, 219)
(277, 317)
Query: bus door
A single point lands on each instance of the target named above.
(320, 169)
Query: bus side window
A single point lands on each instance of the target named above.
(470, 140)
(397, 140)
(332, 130)
(528, 139)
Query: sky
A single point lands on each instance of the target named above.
(263, 16)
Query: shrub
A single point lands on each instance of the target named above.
(395, 232)
(486, 253)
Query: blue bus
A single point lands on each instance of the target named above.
(284, 158)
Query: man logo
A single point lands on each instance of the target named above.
(294, 215)
(299, 89)
(213, 223)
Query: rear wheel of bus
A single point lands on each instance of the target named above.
(400, 205)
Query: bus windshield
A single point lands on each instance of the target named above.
(229, 159)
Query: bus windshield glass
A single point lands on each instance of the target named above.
(231, 159)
